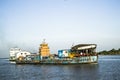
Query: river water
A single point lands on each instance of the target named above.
(108, 68)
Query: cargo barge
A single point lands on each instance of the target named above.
(78, 54)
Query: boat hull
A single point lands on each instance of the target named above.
(78, 60)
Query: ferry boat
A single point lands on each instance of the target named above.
(81, 53)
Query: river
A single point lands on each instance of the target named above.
(108, 68)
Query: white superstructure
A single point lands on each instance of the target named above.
(22, 54)
(13, 52)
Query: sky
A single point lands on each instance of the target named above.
(62, 23)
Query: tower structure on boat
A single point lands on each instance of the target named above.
(44, 50)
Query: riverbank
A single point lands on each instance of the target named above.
(110, 52)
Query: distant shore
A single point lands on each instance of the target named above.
(110, 52)
(4, 58)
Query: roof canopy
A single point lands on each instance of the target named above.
(84, 46)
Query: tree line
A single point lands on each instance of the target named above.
(110, 52)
